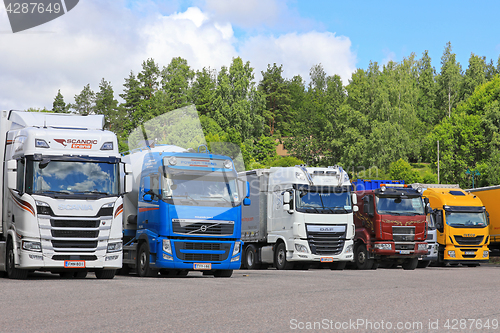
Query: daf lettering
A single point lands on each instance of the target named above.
(75, 207)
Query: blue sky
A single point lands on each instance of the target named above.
(108, 39)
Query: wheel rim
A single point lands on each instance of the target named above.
(10, 261)
(361, 257)
(281, 257)
(250, 258)
(143, 261)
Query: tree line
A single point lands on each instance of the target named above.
(383, 119)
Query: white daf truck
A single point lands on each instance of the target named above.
(60, 197)
(299, 216)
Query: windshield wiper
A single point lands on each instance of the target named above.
(94, 192)
(187, 196)
(56, 192)
(218, 197)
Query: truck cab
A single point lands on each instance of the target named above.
(391, 227)
(462, 226)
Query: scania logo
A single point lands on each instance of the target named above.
(75, 207)
(203, 228)
(469, 235)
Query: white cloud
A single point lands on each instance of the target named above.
(388, 56)
(107, 40)
(299, 52)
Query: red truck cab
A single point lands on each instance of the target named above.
(391, 227)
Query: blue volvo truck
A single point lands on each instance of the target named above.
(183, 213)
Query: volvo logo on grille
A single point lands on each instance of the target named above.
(203, 228)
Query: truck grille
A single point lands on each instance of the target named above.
(74, 244)
(403, 234)
(221, 228)
(469, 240)
(181, 249)
(74, 223)
(74, 257)
(400, 246)
(323, 243)
(75, 233)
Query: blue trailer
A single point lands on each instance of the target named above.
(183, 214)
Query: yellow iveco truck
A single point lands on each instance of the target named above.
(462, 226)
(489, 197)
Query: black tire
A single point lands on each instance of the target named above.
(223, 273)
(361, 257)
(143, 269)
(80, 274)
(105, 274)
(375, 265)
(423, 263)
(125, 270)
(338, 266)
(251, 257)
(280, 261)
(66, 275)
(10, 267)
(410, 264)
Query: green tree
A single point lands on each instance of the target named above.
(203, 90)
(176, 81)
(449, 80)
(107, 105)
(474, 76)
(84, 101)
(59, 106)
(402, 170)
(427, 88)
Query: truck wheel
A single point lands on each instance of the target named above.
(338, 266)
(423, 263)
(362, 261)
(105, 274)
(223, 273)
(143, 268)
(280, 258)
(10, 267)
(410, 264)
(251, 257)
(80, 274)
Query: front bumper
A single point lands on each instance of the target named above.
(309, 257)
(432, 252)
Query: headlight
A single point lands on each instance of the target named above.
(383, 246)
(235, 259)
(114, 247)
(451, 254)
(32, 246)
(166, 246)
(485, 254)
(422, 247)
(301, 248)
(167, 257)
(236, 249)
(107, 146)
(348, 249)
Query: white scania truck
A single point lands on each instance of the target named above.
(60, 197)
(299, 216)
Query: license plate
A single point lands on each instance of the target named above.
(326, 259)
(74, 263)
(202, 267)
(470, 253)
(404, 252)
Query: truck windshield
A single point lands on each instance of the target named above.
(466, 220)
(196, 189)
(323, 202)
(69, 178)
(400, 206)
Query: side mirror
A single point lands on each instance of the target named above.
(246, 202)
(128, 184)
(148, 198)
(147, 185)
(438, 220)
(12, 174)
(286, 198)
(248, 190)
(354, 199)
